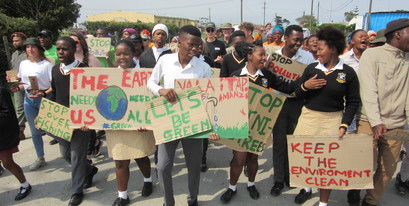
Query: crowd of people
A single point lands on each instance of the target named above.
(351, 84)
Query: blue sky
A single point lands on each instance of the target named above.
(229, 10)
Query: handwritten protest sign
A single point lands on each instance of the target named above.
(271, 49)
(173, 47)
(109, 98)
(175, 121)
(55, 119)
(12, 74)
(99, 46)
(215, 72)
(226, 104)
(285, 68)
(264, 107)
(328, 163)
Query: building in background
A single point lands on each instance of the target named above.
(127, 16)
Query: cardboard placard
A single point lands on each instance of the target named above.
(215, 72)
(271, 49)
(397, 134)
(33, 82)
(174, 47)
(12, 74)
(109, 98)
(99, 47)
(264, 107)
(55, 119)
(328, 163)
(185, 118)
(226, 103)
(125, 145)
(285, 68)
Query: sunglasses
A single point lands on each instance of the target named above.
(210, 30)
(145, 39)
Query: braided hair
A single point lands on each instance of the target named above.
(243, 49)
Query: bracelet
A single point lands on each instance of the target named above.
(345, 126)
(303, 87)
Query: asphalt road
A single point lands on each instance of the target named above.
(51, 184)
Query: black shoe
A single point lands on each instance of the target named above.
(76, 199)
(400, 186)
(254, 194)
(194, 203)
(147, 189)
(354, 198)
(364, 203)
(302, 196)
(121, 202)
(53, 142)
(203, 167)
(88, 179)
(226, 197)
(276, 189)
(23, 193)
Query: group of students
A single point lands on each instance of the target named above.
(325, 100)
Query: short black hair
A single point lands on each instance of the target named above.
(189, 29)
(236, 34)
(333, 37)
(289, 30)
(127, 43)
(69, 40)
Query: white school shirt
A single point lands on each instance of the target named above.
(157, 52)
(350, 59)
(42, 70)
(169, 68)
(300, 56)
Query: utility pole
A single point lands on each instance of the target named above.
(312, 4)
(264, 13)
(318, 13)
(210, 18)
(368, 20)
(241, 12)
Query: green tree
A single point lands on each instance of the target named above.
(306, 19)
(54, 15)
(351, 14)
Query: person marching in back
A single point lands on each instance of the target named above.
(150, 56)
(256, 57)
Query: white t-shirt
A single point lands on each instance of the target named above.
(42, 70)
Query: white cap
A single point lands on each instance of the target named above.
(161, 27)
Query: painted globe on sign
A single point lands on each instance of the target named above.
(112, 103)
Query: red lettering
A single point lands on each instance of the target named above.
(332, 163)
(309, 159)
(91, 117)
(90, 82)
(125, 77)
(75, 73)
(76, 118)
(317, 148)
(102, 81)
(332, 146)
(307, 147)
(294, 147)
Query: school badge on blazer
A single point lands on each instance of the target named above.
(341, 77)
(264, 82)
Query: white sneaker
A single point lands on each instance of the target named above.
(37, 164)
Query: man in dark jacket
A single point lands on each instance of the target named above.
(151, 56)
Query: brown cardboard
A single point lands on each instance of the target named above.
(226, 103)
(185, 118)
(12, 74)
(329, 163)
(55, 119)
(264, 107)
(89, 87)
(128, 144)
(397, 134)
(271, 49)
(99, 47)
(174, 47)
(215, 72)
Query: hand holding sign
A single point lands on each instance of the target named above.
(169, 94)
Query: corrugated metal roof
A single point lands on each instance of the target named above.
(380, 19)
